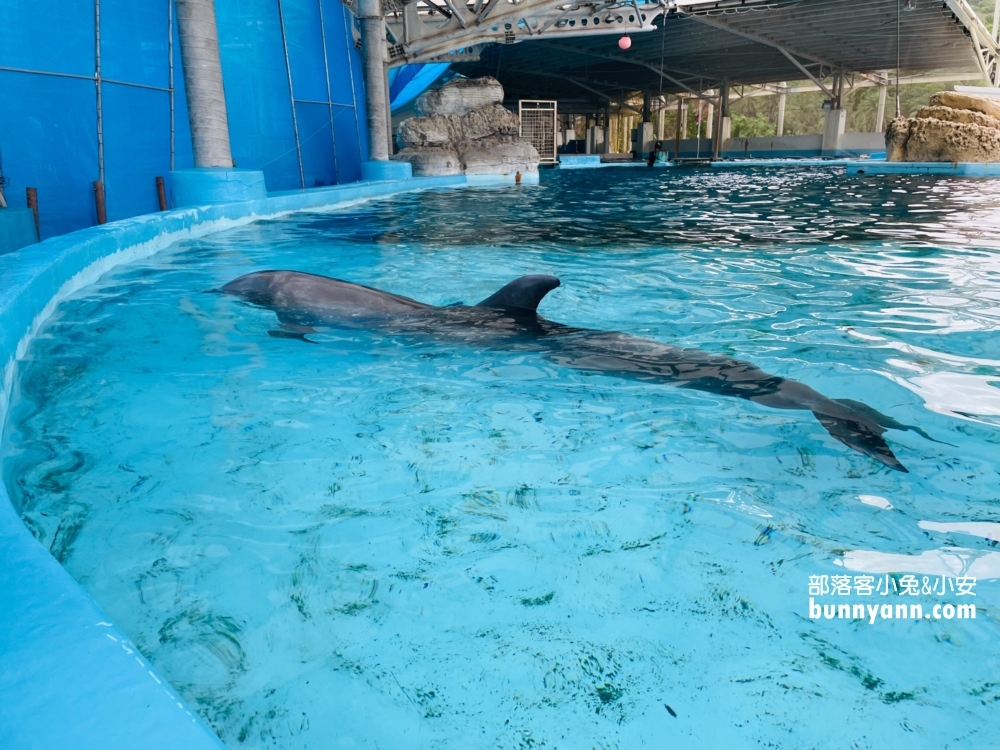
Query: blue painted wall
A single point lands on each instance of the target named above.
(48, 100)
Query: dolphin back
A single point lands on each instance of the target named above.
(523, 294)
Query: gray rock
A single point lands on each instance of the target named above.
(489, 120)
(499, 155)
(940, 140)
(433, 131)
(896, 135)
(953, 128)
(460, 96)
(431, 162)
(969, 102)
(463, 128)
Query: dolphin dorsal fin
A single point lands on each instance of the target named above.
(524, 293)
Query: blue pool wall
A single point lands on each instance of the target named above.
(48, 100)
(68, 677)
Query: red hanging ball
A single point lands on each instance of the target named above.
(624, 42)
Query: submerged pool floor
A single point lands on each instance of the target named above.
(378, 542)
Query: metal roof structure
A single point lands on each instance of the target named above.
(553, 49)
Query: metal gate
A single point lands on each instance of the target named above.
(538, 125)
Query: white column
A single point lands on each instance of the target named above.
(373, 67)
(880, 115)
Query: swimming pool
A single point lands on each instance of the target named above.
(385, 542)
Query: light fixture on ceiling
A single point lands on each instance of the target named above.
(910, 5)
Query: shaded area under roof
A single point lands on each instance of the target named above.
(699, 50)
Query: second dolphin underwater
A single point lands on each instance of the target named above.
(509, 319)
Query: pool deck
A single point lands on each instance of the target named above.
(878, 167)
(69, 678)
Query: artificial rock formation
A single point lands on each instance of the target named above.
(954, 127)
(463, 128)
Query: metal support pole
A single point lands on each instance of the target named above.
(206, 98)
(781, 109)
(102, 212)
(996, 20)
(721, 129)
(32, 198)
(170, 79)
(373, 66)
(607, 129)
(161, 194)
(97, 83)
(723, 126)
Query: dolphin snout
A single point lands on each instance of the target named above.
(250, 284)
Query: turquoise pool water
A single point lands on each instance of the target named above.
(376, 542)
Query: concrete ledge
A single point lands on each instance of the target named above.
(207, 185)
(378, 171)
(17, 229)
(68, 677)
(953, 169)
(579, 161)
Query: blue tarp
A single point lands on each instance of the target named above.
(408, 82)
(49, 104)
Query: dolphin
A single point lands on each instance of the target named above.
(509, 319)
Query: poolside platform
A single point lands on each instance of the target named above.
(594, 161)
(951, 169)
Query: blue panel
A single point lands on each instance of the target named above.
(317, 144)
(17, 229)
(345, 83)
(348, 154)
(134, 41)
(48, 138)
(257, 98)
(53, 36)
(339, 44)
(48, 124)
(136, 148)
(305, 48)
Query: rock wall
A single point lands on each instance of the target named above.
(954, 127)
(463, 128)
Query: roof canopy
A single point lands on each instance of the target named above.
(695, 46)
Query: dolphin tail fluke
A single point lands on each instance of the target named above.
(886, 421)
(524, 293)
(863, 435)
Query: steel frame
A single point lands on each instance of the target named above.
(458, 30)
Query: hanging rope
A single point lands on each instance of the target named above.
(4, 181)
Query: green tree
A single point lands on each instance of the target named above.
(752, 127)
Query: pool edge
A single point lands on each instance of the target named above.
(68, 676)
